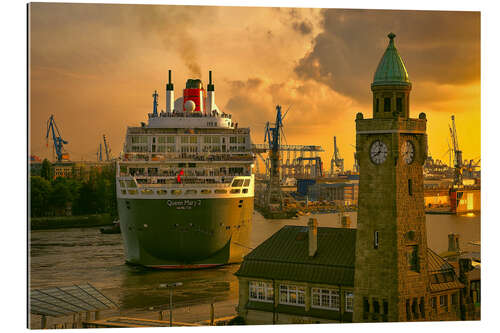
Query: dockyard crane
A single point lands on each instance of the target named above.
(106, 149)
(273, 137)
(57, 139)
(336, 160)
(457, 153)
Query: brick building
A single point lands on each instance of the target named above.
(306, 275)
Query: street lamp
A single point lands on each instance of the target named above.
(171, 286)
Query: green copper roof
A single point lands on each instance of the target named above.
(391, 69)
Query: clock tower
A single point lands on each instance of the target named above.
(391, 280)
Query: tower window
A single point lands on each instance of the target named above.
(408, 313)
(410, 187)
(387, 104)
(375, 240)
(412, 256)
(376, 306)
(376, 105)
(366, 308)
(399, 105)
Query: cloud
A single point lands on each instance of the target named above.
(440, 47)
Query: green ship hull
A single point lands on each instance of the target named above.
(185, 233)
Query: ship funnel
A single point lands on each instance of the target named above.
(170, 94)
(210, 94)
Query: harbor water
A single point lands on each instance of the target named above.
(76, 256)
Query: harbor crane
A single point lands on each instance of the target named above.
(336, 160)
(107, 151)
(106, 148)
(457, 154)
(273, 137)
(58, 141)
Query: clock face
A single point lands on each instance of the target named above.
(378, 152)
(407, 152)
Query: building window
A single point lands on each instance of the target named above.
(414, 308)
(410, 187)
(326, 299)
(412, 256)
(454, 299)
(293, 295)
(399, 105)
(376, 306)
(232, 139)
(375, 240)
(386, 307)
(349, 301)
(366, 308)
(261, 291)
(408, 313)
(376, 105)
(387, 104)
(433, 303)
(422, 307)
(443, 301)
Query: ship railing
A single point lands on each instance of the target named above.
(202, 156)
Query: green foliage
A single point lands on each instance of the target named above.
(39, 191)
(46, 170)
(95, 194)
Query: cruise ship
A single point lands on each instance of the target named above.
(185, 184)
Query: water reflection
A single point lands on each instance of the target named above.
(74, 256)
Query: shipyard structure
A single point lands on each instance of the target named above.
(383, 270)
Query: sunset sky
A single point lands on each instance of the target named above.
(95, 68)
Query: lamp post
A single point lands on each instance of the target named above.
(171, 287)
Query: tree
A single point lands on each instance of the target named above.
(39, 191)
(46, 170)
(60, 195)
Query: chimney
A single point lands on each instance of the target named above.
(313, 236)
(170, 94)
(453, 243)
(210, 94)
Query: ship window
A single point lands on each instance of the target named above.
(387, 104)
(219, 191)
(176, 192)
(132, 191)
(148, 192)
(124, 191)
(171, 149)
(235, 190)
(206, 191)
(122, 183)
(241, 139)
(232, 139)
(184, 139)
(161, 192)
(191, 192)
(206, 139)
(245, 190)
(237, 183)
(246, 183)
(216, 139)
